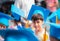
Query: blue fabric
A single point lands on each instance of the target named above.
(53, 20)
(16, 16)
(20, 27)
(4, 19)
(23, 35)
(17, 11)
(58, 13)
(54, 30)
(5, 16)
(54, 14)
(37, 9)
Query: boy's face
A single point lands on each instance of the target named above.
(38, 23)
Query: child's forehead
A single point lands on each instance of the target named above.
(38, 20)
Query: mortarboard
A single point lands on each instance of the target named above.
(16, 16)
(37, 9)
(19, 35)
(4, 19)
(52, 17)
(53, 20)
(16, 12)
(58, 12)
(54, 30)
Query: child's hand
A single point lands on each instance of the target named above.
(1, 38)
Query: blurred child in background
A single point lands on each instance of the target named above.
(52, 5)
(37, 20)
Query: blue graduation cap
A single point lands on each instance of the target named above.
(58, 12)
(53, 20)
(4, 19)
(53, 16)
(54, 30)
(17, 12)
(37, 9)
(22, 35)
(16, 16)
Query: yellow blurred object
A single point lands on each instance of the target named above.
(27, 24)
(56, 20)
(45, 38)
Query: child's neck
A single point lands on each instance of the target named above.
(38, 30)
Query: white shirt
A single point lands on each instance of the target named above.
(25, 5)
(40, 35)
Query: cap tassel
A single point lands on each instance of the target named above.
(45, 38)
(27, 24)
(56, 20)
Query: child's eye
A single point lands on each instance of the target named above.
(37, 21)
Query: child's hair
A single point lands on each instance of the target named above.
(6, 6)
(37, 17)
(43, 4)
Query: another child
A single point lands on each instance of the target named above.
(40, 32)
